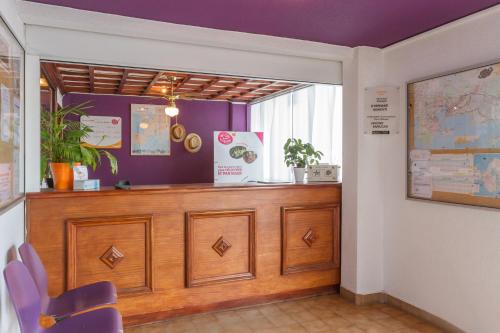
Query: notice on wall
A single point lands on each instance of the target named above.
(5, 178)
(453, 173)
(238, 156)
(5, 132)
(382, 108)
(421, 176)
(106, 131)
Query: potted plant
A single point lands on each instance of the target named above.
(300, 155)
(61, 134)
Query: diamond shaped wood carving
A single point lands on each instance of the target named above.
(309, 237)
(112, 257)
(221, 246)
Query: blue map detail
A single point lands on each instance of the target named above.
(487, 169)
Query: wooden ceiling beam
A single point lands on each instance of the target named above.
(91, 78)
(207, 85)
(181, 83)
(119, 90)
(254, 90)
(151, 84)
(59, 78)
(225, 90)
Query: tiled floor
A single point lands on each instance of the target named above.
(328, 313)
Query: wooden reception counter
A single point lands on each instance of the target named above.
(179, 249)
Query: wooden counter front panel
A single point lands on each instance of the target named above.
(310, 238)
(118, 249)
(220, 247)
(48, 219)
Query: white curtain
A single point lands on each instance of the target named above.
(313, 114)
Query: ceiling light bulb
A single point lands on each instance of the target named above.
(171, 111)
(143, 125)
(164, 90)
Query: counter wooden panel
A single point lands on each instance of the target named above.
(188, 248)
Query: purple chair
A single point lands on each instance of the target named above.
(27, 303)
(71, 301)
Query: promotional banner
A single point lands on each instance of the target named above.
(238, 156)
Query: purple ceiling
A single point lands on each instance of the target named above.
(377, 23)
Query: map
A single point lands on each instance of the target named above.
(487, 171)
(458, 111)
(150, 130)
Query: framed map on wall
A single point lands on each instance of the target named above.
(150, 130)
(454, 137)
(11, 119)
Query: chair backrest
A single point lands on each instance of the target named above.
(35, 266)
(24, 296)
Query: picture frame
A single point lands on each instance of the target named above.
(149, 130)
(12, 59)
(421, 185)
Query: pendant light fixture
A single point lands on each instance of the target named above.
(171, 109)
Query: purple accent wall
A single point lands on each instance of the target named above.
(201, 117)
(341, 22)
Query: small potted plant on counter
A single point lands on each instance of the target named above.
(300, 155)
(61, 134)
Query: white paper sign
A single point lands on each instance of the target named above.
(5, 177)
(238, 157)
(382, 108)
(5, 113)
(107, 131)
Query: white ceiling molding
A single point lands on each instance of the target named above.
(68, 18)
(65, 34)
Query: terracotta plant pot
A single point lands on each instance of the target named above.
(62, 173)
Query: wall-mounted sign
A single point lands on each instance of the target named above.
(238, 156)
(106, 131)
(382, 108)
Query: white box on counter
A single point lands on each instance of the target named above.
(86, 185)
(323, 173)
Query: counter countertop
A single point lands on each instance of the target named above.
(196, 187)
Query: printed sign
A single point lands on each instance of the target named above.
(382, 110)
(238, 156)
(106, 131)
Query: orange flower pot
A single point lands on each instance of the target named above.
(62, 173)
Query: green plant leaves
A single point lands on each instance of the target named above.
(61, 135)
(299, 154)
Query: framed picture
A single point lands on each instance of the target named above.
(11, 118)
(150, 130)
(453, 152)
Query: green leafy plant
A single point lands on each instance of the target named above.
(299, 154)
(61, 135)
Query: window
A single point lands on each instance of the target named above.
(313, 114)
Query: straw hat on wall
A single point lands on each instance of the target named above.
(177, 133)
(192, 143)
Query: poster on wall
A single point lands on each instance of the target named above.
(106, 132)
(382, 110)
(5, 114)
(11, 118)
(453, 137)
(238, 156)
(5, 181)
(150, 130)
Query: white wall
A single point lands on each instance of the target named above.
(442, 258)
(11, 236)
(12, 221)
(362, 214)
